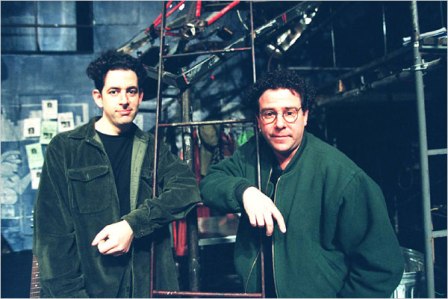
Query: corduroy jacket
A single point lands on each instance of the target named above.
(339, 240)
(77, 198)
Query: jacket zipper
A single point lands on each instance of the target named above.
(272, 244)
(258, 253)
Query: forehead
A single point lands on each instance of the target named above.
(121, 78)
(282, 97)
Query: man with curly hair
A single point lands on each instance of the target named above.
(95, 217)
(321, 221)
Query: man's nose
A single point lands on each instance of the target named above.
(280, 121)
(123, 98)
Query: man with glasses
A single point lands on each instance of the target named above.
(321, 221)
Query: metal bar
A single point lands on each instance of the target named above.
(439, 234)
(383, 14)
(333, 48)
(398, 53)
(198, 53)
(207, 294)
(156, 136)
(252, 40)
(207, 122)
(326, 69)
(434, 152)
(424, 168)
(257, 141)
(45, 26)
(402, 75)
(192, 218)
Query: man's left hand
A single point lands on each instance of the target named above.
(114, 239)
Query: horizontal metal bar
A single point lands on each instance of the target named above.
(326, 69)
(197, 53)
(214, 241)
(47, 26)
(206, 294)
(207, 122)
(440, 151)
(439, 234)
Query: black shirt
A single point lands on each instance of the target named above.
(119, 151)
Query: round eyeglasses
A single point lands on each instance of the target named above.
(289, 115)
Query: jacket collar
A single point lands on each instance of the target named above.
(268, 157)
(88, 131)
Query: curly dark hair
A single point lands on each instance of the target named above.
(112, 60)
(280, 79)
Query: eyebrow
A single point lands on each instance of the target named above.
(293, 107)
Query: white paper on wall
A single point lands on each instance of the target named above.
(49, 109)
(31, 127)
(34, 155)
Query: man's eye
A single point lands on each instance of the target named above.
(113, 92)
(269, 113)
(290, 112)
(133, 91)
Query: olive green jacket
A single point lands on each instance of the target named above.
(339, 240)
(77, 198)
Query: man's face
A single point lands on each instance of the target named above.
(119, 99)
(282, 136)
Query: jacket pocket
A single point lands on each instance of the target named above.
(91, 188)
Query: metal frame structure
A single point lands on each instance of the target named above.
(417, 70)
(186, 124)
(429, 234)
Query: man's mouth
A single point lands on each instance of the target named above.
(124, 112)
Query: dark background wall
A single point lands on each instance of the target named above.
(376, 127)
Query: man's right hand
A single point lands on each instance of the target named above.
(261, 211)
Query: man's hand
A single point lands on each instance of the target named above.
(261, 210)
(114, 239)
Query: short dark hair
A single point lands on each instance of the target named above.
(286, 79)
(113, 60)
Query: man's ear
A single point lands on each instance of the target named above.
(96, 95)
(140, 97)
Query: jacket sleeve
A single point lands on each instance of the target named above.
(368, 240)
(224, 184)
(54, 238)
(178, 194)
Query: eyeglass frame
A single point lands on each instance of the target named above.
(276, 116)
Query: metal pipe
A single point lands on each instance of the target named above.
(383, 14)
(257, 141)
(198, 53)
(156, 136)
(207, 122)
(424, 168)
(207, 294)
(192, 219)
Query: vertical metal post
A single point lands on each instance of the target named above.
(156, 134)
(333, 47)
(257, 138)
(424, 169)
(192, 218)
(383, 13)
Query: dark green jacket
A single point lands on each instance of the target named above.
(77, 198)
(339, 241)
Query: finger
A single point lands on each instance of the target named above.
(260, 220)
(106, 247)
(269, 224)
(102, 235)
(252, 219)
(280, 221)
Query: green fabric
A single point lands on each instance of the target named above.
(339, 240)
(77, 197)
